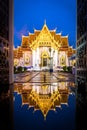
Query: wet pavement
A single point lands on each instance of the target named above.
(40, 100)
(44, 100)
(41, 77)
(24, 77)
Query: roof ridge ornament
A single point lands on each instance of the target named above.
(34, 29)
(55, 29)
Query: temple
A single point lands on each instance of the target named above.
(43, 49)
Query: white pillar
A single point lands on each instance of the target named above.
(38, 60)
(51, 89)
(33, 56)
(67, 62)
(55, 58)
(37, 88)
(33, 88)
(58, 58)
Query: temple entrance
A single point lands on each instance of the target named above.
(44, 59)
(44, 62)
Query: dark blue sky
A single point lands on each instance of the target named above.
(30, 14)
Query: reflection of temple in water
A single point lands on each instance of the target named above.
(44, 97)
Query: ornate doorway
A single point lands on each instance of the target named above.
(44, 59)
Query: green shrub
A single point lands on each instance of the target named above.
(69, 68)
(19, 69)
(64, 68)
(25, 69)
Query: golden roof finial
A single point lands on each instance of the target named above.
(61, 32)
(45, 22)
(67, 35)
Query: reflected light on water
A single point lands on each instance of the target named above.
(43, 97)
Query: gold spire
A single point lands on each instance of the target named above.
(45, 22)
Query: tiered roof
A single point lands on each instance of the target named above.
(46, 37)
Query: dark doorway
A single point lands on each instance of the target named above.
(44, 61)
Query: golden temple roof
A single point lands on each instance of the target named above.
(36, 32)
(45, 37)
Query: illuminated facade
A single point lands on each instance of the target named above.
(43, 49)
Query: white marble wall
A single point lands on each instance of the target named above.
(33, 57)
(54, 53)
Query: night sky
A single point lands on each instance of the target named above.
(30, 14)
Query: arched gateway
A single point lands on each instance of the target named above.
(43, 48)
